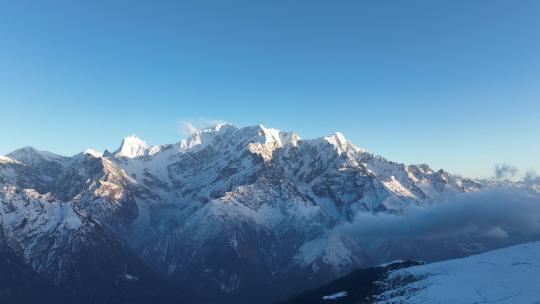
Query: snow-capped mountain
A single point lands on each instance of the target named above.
(508, 275)
(229, 213)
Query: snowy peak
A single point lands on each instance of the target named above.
(203, 138)
(268, 137)
(132, 147)
(31, 156)
(264, 141)
(277, 138)
(220, 126)
(338, 141)
(336, 138)
(93, 153)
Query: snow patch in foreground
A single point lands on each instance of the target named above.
(509, 275)
(335, 295)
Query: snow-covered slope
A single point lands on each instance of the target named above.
(220, 212)
(509, 275)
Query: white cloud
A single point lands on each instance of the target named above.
(188, 128)
(505, 171)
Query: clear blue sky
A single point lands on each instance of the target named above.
(455, 84)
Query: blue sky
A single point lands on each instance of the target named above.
(455, 84)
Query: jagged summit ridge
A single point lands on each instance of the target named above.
(257, 137)
(134, 147)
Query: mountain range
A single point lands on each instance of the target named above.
(228, 215)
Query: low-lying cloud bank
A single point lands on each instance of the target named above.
(496, 213)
